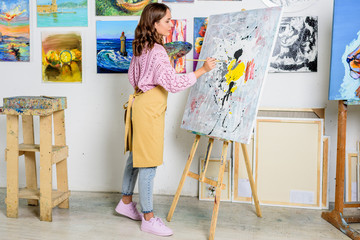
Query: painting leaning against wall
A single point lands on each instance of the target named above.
(14, 31)
(223, 103)
(61, 57)
(200, 25)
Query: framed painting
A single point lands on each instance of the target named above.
(120, 7)
(178, 33)
(345, 53)
(14, 31)
(223, 103)
(114, 45)
(62, 13)
(296, 48)
(61, 57)
(207, 191)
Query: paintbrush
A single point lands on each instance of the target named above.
(203, 60)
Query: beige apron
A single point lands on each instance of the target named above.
(144, 126)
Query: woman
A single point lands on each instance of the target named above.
(152, 76)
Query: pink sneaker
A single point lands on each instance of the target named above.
(128, 210)
(155, 226)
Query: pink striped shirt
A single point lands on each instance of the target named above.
(153, 68)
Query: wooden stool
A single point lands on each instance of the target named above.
(47, 108)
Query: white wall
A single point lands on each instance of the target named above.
(94, 118)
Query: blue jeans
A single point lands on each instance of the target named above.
(146, 182)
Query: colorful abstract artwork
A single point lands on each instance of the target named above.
(200, 25)
(62, 13)
(120, 7)
(345, 53)
(114, 45)
(178, 33)
(14, 31)
(296, 47)
(290, 5)
(223, 103)
(61, 57)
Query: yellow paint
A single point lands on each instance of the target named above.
(233, 89)
(230, 112)
(234, 74)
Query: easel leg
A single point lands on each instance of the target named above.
(183, 177)
(251, 179)
(218, 191)
(335, 217)
(206, 163)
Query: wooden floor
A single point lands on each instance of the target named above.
(92, 216)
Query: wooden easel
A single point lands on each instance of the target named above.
(218, 184)
(336, 216)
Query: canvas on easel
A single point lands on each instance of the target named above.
(223, 103)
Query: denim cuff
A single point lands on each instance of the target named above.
(127, 194)
(146, 211)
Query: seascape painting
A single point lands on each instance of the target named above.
(61, 57)
(178, 33)
(14, 31)
(290, 5)
(62, 13)
(345, 53)
(223, 103)
(114, 45)
(120, 7)
(296, 48)
(200, 25)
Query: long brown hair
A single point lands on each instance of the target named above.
(145, 33)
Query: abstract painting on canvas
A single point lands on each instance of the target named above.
(223, 103)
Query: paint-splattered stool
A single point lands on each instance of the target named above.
(46, 108)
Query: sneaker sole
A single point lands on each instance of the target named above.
(158, 234)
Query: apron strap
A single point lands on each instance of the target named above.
(128, 126)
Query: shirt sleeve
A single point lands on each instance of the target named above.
(166, 76)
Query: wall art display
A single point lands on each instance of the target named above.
(223, 103)
(296, 46)
(207, 191)
(14, 31)
(62, 13)
(120, 7)
(114, 45)
(200, 25)
(178, 33)
(345, 53)
(290, 5)
(61, 57)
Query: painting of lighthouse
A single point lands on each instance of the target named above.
(62, 13)
(114, 45)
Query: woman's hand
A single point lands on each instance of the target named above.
(209, 64)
